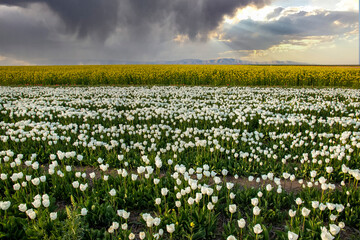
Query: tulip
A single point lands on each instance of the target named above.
(232, 208)
(22, 207)
(31, 213)
(315, 204)
(84, 211)
(112, 192)
(341, 225)
(241, 223)
(257, 229)
(75, 184)
(256, 210)
(210, 206)
(46, 203)
(305, 212)
(131, 236)
(325, 235)
(164, 191)
(124, 226)
(142, 235)
(292, 236)
(53, 215)
(170, 228)
(36, 203)
(334, 229)
(214, 199)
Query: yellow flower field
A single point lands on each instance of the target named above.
(213, 75)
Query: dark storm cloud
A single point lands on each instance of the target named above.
(261, 35)
(99, 18)
(201, 16)
(94, 18)
(97, 31)
(116, 31)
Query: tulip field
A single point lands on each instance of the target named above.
(180, 162)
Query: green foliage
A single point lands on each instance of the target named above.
(12, 228)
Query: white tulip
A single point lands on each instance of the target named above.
(35, 181)
(292, 236)
(31, 213)
(83, 187)
(232, 208)
(254, 201)
(257, 229)
(16, 186)
(76, 184)
(164, 191)
(256, 210)
(22, 207)
(325, 235)
(210, 206)
(124, 226)
(334, 229)
(241, 223)
(305, 212)
(229, 185)
(341, 225)
(36, 203)
(315, 204)
(46, 203)
(84, 211)
(333, 217)
(112, 192)
(53, 216)
(142, 235)
(157, 221)
(292, 213)
(170, 228)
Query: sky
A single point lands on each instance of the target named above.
(57, 32)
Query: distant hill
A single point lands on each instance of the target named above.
(225, 61)
(219, 61)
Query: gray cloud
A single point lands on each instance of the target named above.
(118, 31)
(275, 13)
(73, 31)
(200, 17)
(261, 35)
(85, 18)
(99, 19)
